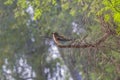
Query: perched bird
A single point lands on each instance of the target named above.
(59, 38)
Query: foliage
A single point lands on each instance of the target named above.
(26, 27)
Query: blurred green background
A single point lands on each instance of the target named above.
(28, 52)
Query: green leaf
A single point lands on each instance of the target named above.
(54, 2)
(8, 2)
(22, 3)
(37, 14)
(65, 6)
(117, 17)
(107, 17)
(72, 12)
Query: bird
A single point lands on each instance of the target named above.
(60, 38)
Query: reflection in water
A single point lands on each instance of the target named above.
(20, 71)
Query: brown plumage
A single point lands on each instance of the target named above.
(59, 38)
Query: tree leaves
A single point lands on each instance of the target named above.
(37, 14)
(8, 2)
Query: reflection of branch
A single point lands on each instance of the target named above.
(85, 45)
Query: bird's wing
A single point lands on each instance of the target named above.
(62, 38)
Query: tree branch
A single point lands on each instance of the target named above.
(85, 45)
(106, 29)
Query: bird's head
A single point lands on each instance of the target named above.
(55, 33)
